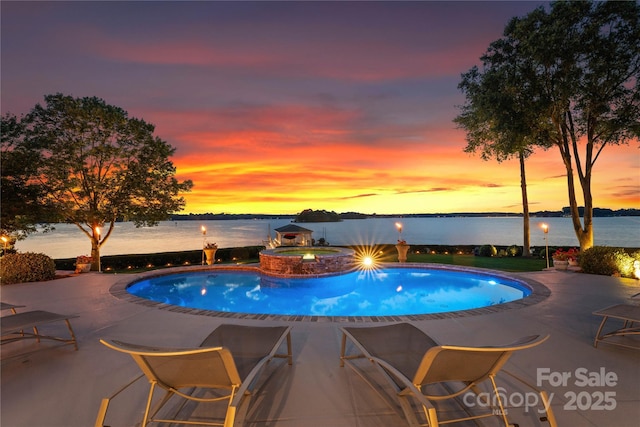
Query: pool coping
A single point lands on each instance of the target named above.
(539, 293)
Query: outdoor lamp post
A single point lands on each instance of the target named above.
(399, 227)
(401, 246)
(204, 240)
(96, 233)
(545, 229)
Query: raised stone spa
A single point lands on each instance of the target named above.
(307, 260)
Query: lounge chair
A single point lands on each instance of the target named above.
(13, 326)
(6, 306)
(227, 363)
(413, 362)
(629, 314)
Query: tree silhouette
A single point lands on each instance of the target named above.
(577, 74)
(95, 165)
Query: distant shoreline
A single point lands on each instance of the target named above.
(597, 213)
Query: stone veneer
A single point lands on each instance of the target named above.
(277, 262)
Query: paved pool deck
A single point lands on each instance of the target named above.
(49, 384)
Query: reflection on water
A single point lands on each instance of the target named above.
(320, 287)
(399, 291)
(68, 242)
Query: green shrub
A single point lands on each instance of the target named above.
(487, 250)
(240, 254)
(164, 259)
(26, 267)
(514, 250)
(625, 262)
(608, 261)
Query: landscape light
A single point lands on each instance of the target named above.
(204, 240)
(96, 233)
(545, 229)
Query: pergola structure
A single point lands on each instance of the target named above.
(293, 235)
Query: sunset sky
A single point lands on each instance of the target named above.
(277, 107)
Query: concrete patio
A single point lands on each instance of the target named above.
(49, 384)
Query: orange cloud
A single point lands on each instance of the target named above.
(385, 185)
(346, 106)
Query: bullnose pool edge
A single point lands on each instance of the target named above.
(539, 293)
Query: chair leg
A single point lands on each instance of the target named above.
(546, 402)
(73, 335)
(595, 341)
(147, 416)
(503, 413)
(13, 311)
(289, 353)
(104, 405)
(547, 408)
(146, 409)
(150, 414)
(102, 412)
(343, 346)
(432, 417)
(230, 416)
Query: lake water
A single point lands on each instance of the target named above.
(67, 241)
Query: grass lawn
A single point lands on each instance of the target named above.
(513, 264)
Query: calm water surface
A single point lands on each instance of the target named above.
(386, 292)
(67, 241)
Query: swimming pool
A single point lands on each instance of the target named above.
(390, 291)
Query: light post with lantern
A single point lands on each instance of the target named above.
(402, 246)
(399, 227)
(96, 234)
(204, 240)
(545, 229)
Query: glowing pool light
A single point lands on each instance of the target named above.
(368, 258)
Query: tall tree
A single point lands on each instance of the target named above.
(580, 69)
(589, 57)
(21, 209)
(97, 165)
(497, 115)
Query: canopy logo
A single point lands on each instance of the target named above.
(593, 395)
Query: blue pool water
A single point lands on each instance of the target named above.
(385, 292)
